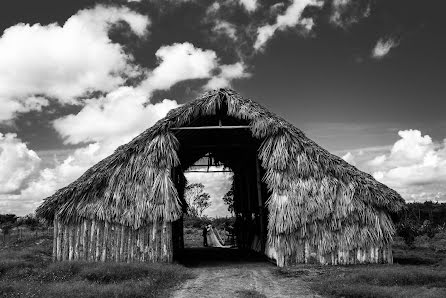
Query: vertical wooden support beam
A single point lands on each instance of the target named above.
(70, 242)
(77, 234)
(307, 252)
(141, 243)
(152, 242)
(99, 228)
(65, 243)
(121, 243)
(91, 250)
(105, 242)
(112, 242)
(166, 242)
(129, 244)
(59, 240)
(260, 206)
(55, 234)
(85, 240)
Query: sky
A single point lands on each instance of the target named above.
(364, 79)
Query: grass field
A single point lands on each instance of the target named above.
(26, 270)
(417, 272)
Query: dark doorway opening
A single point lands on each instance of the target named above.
(227, 141)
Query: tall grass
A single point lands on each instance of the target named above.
(27, 271)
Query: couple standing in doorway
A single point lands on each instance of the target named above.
(211, 237)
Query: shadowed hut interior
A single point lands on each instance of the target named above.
(295, 202)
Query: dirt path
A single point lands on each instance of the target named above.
(242, 280)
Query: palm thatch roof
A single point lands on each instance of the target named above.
(313, 192)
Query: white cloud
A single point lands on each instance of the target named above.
(415, 166)
(348, 12)
(383, 47)
(64, 62)
(377, 161)
(179, 62)
(250, 5)
(223, 27)
(49, 180)
(104, 122)
(350, 158)
(227, 74)
(121, 114)
(17, 163)
(291, 18)
(127, 111)
(117, 117)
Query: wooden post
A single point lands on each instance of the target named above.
(141, 244)
(91, 250)
(260, 206)
(70, 242)
(55, 238)
(117, 242)
(122, 243)
(152, 242)
(59, 240)
(77, 234)
(166, 242)
(85, 240)
(98, 240)
(104, 244)
(129, 244)
(65, 243)
(307, 252)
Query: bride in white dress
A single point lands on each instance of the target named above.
(214, 240)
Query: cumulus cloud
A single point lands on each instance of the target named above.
(226, 28)
(292, 17)
(250, 5)
(227, 74)
(84, 60)
(347, 12)
(17, 163)
(121, 114)
(127, 111)
(415, 166)
(383, 47)
(179, 62)
(350, 158)
(64, 62)
(50, 179)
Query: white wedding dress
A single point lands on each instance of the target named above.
(213, 238)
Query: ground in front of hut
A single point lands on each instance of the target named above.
(225, 272)
(26, 270)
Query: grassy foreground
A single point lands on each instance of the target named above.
(26, 270)
(420, 273)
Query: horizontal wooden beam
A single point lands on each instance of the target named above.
(196, 171)
(211, 127)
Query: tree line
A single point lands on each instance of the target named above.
(8, 222)
(427, 218)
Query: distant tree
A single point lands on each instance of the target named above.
(7, 222)
(228, 198)
(31, 222)
(197, 199)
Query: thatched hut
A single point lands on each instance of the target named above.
(294, 200)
